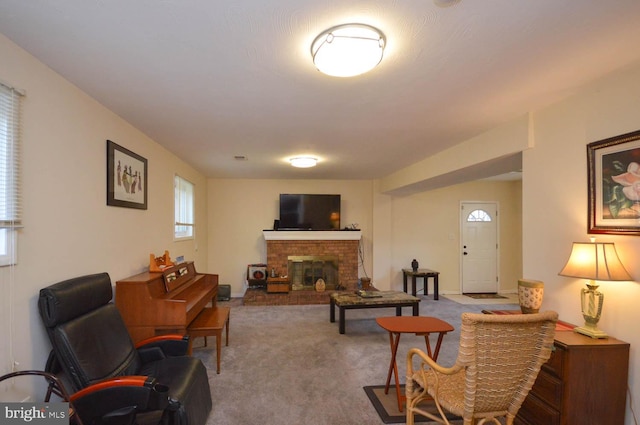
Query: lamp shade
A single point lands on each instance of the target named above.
(348, 50)
(595, 261)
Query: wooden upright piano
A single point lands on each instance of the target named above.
(158, 303)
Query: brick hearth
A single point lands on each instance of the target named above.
(261, 297)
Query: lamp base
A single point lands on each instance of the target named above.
(593, 332)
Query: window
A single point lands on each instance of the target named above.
(10, 196)
(478, 215)
(184, 212)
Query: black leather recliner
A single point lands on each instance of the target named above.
(114, 381)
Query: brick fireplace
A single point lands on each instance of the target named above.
(340, 247)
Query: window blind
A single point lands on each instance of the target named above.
(10, 159)
(10, 191)
(10, 218)
(184, 208)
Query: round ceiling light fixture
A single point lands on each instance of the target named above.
(348, 50)
(445, 3)
(303, 161)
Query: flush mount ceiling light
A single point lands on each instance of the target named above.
(303, 161)
(445, 3)
(348, 50)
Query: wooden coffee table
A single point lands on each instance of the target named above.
(386, 299)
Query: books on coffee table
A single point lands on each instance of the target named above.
(369, 294)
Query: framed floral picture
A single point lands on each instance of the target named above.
(614, 185)
(126, 178)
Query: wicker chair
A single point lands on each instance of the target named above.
(498, 361)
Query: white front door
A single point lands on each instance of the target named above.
(479, 234)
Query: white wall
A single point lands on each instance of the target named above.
(423, 226)
(239, 210)
(555, 206)
(426, 226)
(496, 151)
(69, 230)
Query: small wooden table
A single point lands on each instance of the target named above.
(425, 274)
(421, 326)
(277, 285)
(349, 300)
(211, 322)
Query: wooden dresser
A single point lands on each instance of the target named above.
(583, 383)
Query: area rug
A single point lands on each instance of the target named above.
(485, 296)
(464, 299)
(387, 406)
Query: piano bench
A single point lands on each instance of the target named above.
(210, 322)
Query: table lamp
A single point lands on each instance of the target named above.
(593, 261)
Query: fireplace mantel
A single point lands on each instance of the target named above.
(311, 235)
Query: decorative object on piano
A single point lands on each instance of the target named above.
(158, 264)
(126, 178)
(257, 275)
(320, 285)
(530, 293)
(414, 265)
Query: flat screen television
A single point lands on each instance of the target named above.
(309, 212)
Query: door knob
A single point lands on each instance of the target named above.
(464, 253)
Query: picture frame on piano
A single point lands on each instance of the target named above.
(175, 276)
(126, 178)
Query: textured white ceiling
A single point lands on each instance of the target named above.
(210, 80)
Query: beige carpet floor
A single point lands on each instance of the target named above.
(288, 365)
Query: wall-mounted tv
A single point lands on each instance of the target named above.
(309, 212)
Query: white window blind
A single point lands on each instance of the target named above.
(184, 208)
(10, 188)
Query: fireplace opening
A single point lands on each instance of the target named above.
(305, 271)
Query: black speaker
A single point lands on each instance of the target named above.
(224, 292)
(276, 224)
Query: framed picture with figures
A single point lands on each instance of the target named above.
(126, 178)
